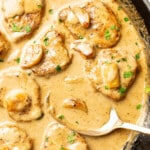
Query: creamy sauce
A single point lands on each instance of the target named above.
(98, 105)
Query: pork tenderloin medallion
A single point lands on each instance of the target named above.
(112, 73)
(47, 56)
(12, 137)
(21, 17)
(19, 95)
(60, 137)
(92, 24)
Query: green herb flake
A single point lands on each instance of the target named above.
(60, 20)
(77, 122)
(126, 19)
(1, 60)
(71, 137)
(51, 11)
(124, 59)
(34, 42)
(16, 28)
(106, 87)
(80, 37)
(17, 60)
(137, 56)
(136, 44)
(46, 41)
(119, 7)
(118, 61)
(122, 90)
(39, 6)
(147, 89)
(58, 68)
(29, 73)
(139, 106)
(46, 139)
(128, 74)
(28, 28)
(107, 35)
(61, 117)
(62, 148)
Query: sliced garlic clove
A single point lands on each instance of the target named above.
(83, 16)
(31, 55)
(84, 48)
(75, 104)
(110, 75)
(68, 16)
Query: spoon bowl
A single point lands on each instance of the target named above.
(114, 123)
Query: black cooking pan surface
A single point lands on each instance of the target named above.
(143, 7)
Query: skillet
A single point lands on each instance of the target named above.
(141, 17)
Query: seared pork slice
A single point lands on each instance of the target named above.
(4, 46)
(112, 73)
(58, 137)
(12, 137)
(19, 95)
(22, 17)
(47, 57)
(93, 23)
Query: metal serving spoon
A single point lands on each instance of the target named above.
(114, 123)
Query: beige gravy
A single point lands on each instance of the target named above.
(98, 104)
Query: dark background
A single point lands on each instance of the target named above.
(143, 7)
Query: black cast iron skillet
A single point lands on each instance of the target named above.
(139, 11)
(143, 7)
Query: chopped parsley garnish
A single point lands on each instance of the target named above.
(58, 68)
(17, 60)
(46, 139)
(1, 60)
(119, 8)
(118, 60)
(136, 43)
(46, 41)
(28, 28)
(16, 28)
(77, 122)
(107, 35)
(128, 74)
(71, 138)
(114, 27)
(126, 19)
(147, 89)
(34, 42)
(137, 56)
(62, 148)
(80, 37)
(60, 20)
(39, 6)
(139, 106)
(124, 59)
(29, 73)
(61, 117)
(106, 87)
(122, 90)
(51, 11)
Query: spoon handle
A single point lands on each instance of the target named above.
(134, 127)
